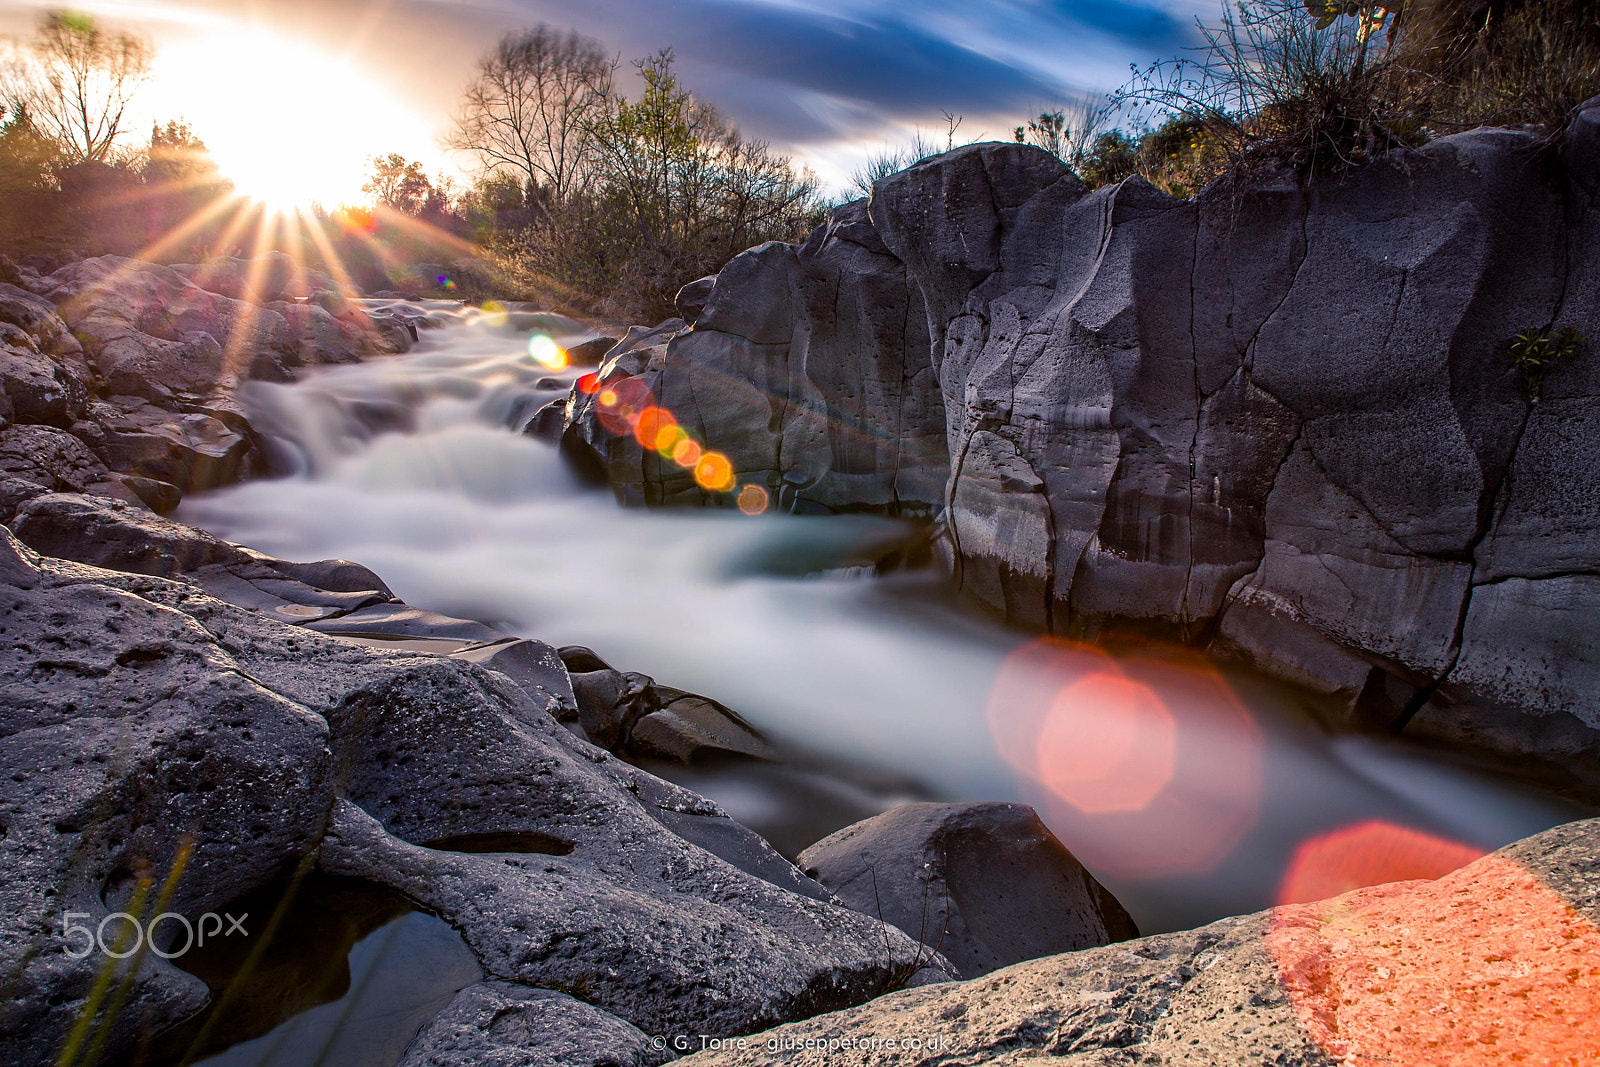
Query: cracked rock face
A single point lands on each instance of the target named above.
(1502, 954)
(144, 716)
(1279, 417)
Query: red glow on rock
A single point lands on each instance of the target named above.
(1369, 853)
(589, 384)
(1484, 966)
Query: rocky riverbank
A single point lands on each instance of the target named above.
(1279, 420)
(184, 712)
(121, 377)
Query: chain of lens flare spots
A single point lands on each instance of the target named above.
(628, 407)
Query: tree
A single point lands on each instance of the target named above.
(398, 184)
(177, 158)
(532, 107)
(83, 79)
(682, 176)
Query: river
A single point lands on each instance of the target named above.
(1191, 789)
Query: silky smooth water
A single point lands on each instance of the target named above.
(1185, 787)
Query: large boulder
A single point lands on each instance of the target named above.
(148, 723)
(805, 367)
(1494, 963)
(988, 884)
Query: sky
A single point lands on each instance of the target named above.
(828, 81)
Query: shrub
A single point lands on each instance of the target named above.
(1534, 354)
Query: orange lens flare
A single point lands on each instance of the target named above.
(589, 384)
(1484, 966)
(1370, 853)
(713, 472)
(686, 453)
(651, 424)
(753, 500)
(1106, 745)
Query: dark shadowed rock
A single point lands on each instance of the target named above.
(691, 299)
(987, 884)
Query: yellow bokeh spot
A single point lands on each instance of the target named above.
(753, 500)
(547, 352)
(668, 440)
(607, 398)
(714, 472)
(686, 453)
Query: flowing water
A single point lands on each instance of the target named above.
(1187, 788)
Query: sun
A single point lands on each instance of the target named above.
(289, 124)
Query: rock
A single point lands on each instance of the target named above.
(548, 422)
(610, 702)
(1490, 953)
(987, 884)
(688, 726)
(14, 492)
(192, 451)
(534, 666)
(258, 280)
(332, 301)
(172, 718)
(691, 299)
(807, 367)
(500, 1024)
(400, 621)
(111, 534)
(38, 389)
(592, 352)
(50, 458)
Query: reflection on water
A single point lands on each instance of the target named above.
(1186, 789)
(332, 972)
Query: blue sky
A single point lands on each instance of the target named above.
(830, 81)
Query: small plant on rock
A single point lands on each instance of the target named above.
(1534, 353)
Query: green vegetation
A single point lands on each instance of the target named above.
(1535, 353)
(1317, 85)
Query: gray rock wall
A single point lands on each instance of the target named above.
(1278, 418)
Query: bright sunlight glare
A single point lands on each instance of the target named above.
(290, 125)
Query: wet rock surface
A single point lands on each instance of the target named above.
(1127, 410)
(988, 884)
